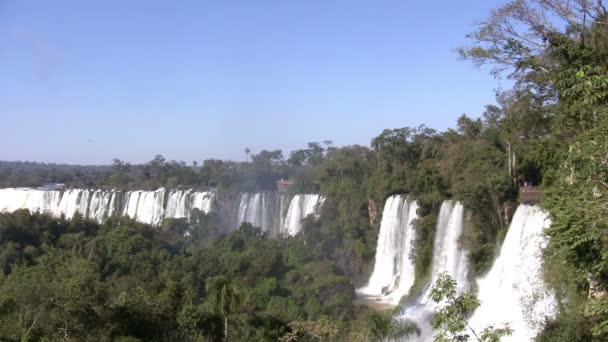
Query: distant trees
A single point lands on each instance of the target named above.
(120, 172)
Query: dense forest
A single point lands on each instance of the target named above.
(121, 280)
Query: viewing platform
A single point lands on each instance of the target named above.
(283, 185)
(529, 194)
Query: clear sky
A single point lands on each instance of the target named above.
(190, 80)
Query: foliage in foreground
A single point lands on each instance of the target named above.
(451, 319)
(77, 280)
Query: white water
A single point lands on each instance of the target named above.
(267, 210)
(393, 273)
(181, 202)
(144, 206)
(513, 291)
(300, 207)
(448, 258)
(262, 209)
(101, 205)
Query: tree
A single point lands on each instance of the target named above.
(470, 128)
(226, 298)
(322, 330)
(384, 327)
(518, 36)
(265, 160)
(247, 151)
(452, 317)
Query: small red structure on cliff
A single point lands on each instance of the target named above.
(529, 194)
(283, 185)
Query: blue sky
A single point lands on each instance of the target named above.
(198, 79)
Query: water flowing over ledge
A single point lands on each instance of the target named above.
(267, 210)
(513, 291)
(144, 206)
(262, 209)
(301, 206)
(393, 273)
(448, 258)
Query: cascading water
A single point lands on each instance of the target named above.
(202, 201)
(100, 205)
(393, 273)
(300, 207)
(262, 209)
(144, 206)
(267, 210)
(513, 291)
(181, 202)
(178, 204)
(448, 258)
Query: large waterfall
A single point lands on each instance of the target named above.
(393, 273)
(267, 210)
(262, 209)
(513, 291)
(448, 257)
(300, 207)
(149, 207)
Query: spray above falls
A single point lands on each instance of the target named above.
(393, 273)
(513, 291)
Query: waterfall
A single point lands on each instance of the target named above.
(72, 201)
(300, 207)
(393, 273)
(181, 202)
(144, 206)
(202, 201)
(100, 205)
(262, 209)
(513, 291)
(267, 210)
(178, 204)
(448, 258)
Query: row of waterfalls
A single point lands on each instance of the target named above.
(512, 292)
(273, 212)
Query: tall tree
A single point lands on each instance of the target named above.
(226, 298)
(247, 151)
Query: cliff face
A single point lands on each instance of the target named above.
(372, 208)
